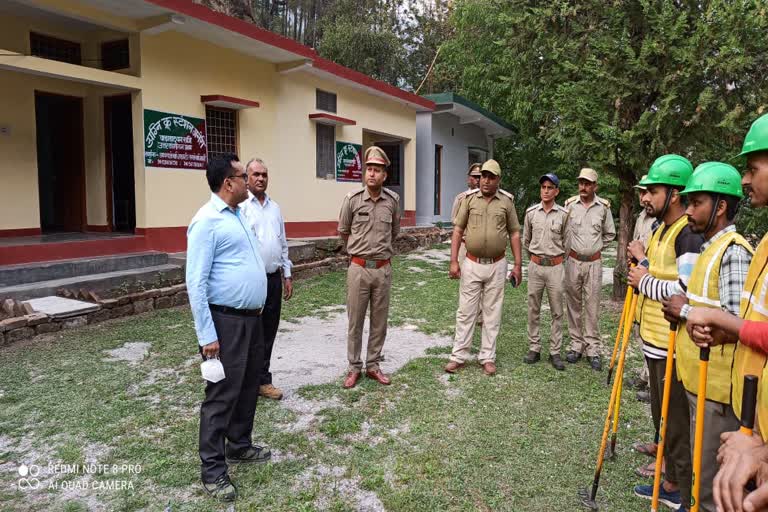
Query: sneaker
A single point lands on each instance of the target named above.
(595, 363)
(222, 488)
(532, 357)
(253, 454)
(670, 499)
(572, 356)
(271, 392)
(557, 363)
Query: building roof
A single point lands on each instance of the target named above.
(291, 55)
(469, 112)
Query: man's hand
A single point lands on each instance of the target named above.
(636, 273)
(636, 250)
(287, 288)
(757, 499)
(672, 306)
(454, 272)
(701, 336)
(517, 273)
(211, 350)
(735, 443)
(728, 485)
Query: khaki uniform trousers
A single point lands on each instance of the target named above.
(718, 418)
(462, 257)
(551, 279)
(486, 281)
(582, 293)
(367, 286)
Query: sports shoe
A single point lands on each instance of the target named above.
(253, 454)
(595, 363)
(222, 488)
(531, 357)
(572, 356)
(670, 499)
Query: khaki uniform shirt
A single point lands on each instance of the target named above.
(643, 228)
(589, 228)
(457, 202)
(487, 225)
(544, 232)
(371, 225)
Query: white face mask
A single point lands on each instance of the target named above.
(212, 370)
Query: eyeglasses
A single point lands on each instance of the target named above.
(244, 176)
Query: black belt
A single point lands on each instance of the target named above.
(273, 274)
(234, 311)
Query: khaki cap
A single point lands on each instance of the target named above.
(492, 166)
(474, 169)
(376, 155)
(588, 174)
(641, 187)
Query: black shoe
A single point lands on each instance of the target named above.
(572, 356)
(644, 396)
(253, 454)
(636, 383)
(595, 363)
(557, 363)
(222, 488)
(531, 357)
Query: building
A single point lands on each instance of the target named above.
(109, 108)
(450, 138)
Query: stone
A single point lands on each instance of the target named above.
(180, 298)
(125, 299)
(12, 323)
(142, 306)
(28, 309)
(74, 323)
(49, 327)
(37, 319)
(99, 316)
(2, 339)
(108, 303)
(19, 334)
(8, 305)
(120, 311)
(178, 288)
(163, 302)
(164, 292)
(59, 307)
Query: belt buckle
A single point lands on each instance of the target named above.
(545, 262)
(370, 263)
(485, 261)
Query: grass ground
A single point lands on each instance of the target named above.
(524, 440)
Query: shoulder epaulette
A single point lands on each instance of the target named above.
(605, 202)
(571, 200)
(391, 193)
(507, 194)
(531, 208)
(354, 193)
(558, 207)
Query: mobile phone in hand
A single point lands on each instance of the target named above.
(513, 281)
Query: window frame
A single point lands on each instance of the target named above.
(212, 141)
(320, 163)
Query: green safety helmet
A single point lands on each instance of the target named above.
(715, 178)
(757, 136)
(673, 170)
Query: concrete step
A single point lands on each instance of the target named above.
(13, 275)
(155, 276)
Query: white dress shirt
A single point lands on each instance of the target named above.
(267, 225)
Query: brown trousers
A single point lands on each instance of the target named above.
(367, 287)
(582, 295)
(549, 279)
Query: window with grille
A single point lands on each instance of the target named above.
(115, 55)
(221, 130)
(53, 48)
(326, 151)
(325, 101)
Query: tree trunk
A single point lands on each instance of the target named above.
(624, 229)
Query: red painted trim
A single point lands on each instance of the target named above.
(170, 239)
(67, 250)
(210, 98)
(8, 233)
(331, 117)
(306, 229)
(409, 218)
(97, 229)
(207, 15)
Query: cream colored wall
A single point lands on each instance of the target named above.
(176, 71)
(295, 161)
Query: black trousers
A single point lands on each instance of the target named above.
(226, 414)
(271, 319)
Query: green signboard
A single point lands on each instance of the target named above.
(349, 162)
(174, 141)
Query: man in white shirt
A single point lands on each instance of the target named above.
(264, 217)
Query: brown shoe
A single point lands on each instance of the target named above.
(379, 376)
(351, 379)
(453, 367)
(489, 368)
(271, 392)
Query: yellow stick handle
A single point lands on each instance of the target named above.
(624, 318)
(664, 411)
(698, 439)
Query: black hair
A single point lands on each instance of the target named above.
(683, 197)
(731, 206)
(219, 169)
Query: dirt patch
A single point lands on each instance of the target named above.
(331, 483)
(132, 352)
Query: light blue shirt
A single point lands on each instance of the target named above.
(223, 265)
(267, 224)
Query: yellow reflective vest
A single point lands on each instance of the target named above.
(663, 265)
(754, 306)
(704, 291)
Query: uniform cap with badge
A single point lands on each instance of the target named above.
(474, 169)
(376, 156)
(588, 174)
(492, 166)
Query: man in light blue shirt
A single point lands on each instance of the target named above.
(265, 220)
(226, 283)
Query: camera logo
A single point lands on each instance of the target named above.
(29, 474)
